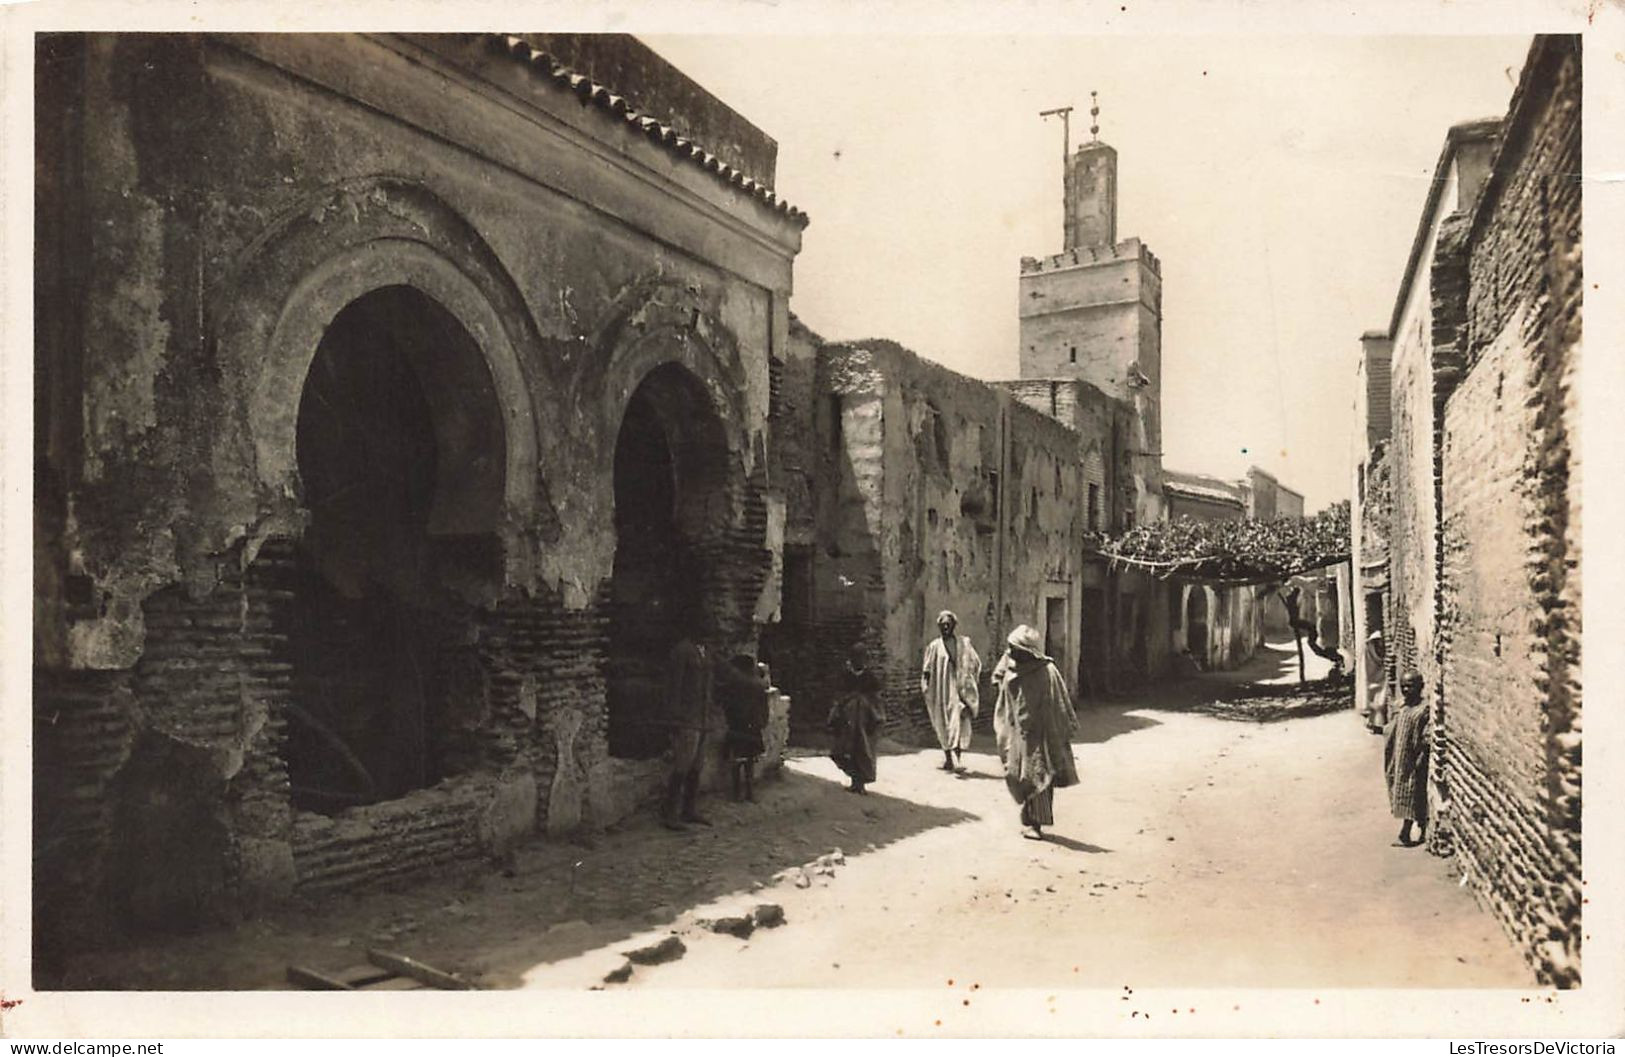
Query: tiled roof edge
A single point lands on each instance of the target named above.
(591, 93)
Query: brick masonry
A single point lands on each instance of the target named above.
(170, 516)
(1509, 610)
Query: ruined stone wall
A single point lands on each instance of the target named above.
(1510, 581)
(211, 203)
(930, 484)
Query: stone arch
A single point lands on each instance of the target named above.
(670, 386)
(675, 491)
(346, 278)
(667, 314)
(1198, 623)
(335, 247)
(697, 347)
(400, 456)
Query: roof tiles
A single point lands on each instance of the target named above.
(591, 93)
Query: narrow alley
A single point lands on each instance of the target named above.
(1198, 852)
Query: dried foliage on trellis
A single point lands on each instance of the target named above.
(1235, 552)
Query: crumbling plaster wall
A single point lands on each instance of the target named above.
(925, 505)
(216, 201)
(204, 265)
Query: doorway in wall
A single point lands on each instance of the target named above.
(670, 508)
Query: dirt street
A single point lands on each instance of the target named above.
(1197, 852)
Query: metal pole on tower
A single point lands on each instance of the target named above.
(1065, 114)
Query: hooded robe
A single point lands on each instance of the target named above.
(1033, 722)
(854, 725)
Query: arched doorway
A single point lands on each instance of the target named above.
(401, 457)
(1196, 624)
(671, 513)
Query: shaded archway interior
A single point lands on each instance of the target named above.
(401, 459)
(671, 507)
(1196, 623)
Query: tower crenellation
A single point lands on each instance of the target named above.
(1094, 310)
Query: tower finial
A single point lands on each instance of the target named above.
(1094, 117)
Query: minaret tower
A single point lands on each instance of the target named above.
(1090, 191)
(1094, 310)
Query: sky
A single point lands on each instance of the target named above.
(1280, 180)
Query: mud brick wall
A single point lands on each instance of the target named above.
(85, 722)
(1411, 512)
(1510, 590)
(372, 847)
(546, 664)
(164, 804)
(173, 349)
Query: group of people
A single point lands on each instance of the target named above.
(1033, 718)
(697, 682)
(1033, 724)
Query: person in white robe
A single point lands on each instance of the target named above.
(949, 678)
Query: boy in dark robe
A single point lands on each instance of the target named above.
(855, 723)
(1405, 761)
(689, 699)
(743, 688)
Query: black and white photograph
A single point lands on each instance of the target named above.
(1072, 524)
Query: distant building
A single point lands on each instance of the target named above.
(1222, 627)
(1268, 498)
(1202, 497)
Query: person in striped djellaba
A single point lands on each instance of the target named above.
(1405, 761)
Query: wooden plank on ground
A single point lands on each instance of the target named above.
(404, 966)
(362, 974)
(312, 980)
(397, 983)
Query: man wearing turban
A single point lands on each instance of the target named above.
(948, 682)
(1033, 722)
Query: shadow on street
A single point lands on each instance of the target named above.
(641, 866)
